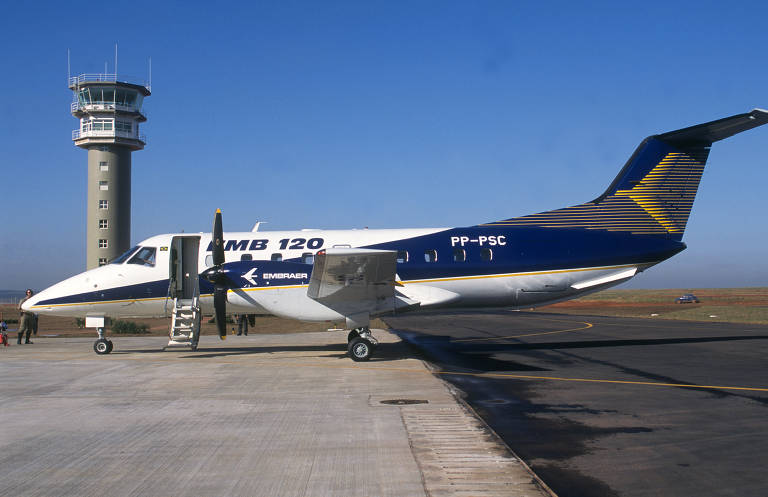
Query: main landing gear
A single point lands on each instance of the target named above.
(361, 344)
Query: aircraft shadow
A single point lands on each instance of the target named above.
(382, 352)
(447, 341)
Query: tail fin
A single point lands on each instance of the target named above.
(654, 192)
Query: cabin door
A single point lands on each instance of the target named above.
(183, 275)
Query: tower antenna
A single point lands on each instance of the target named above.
(69, 75)
(115, 61)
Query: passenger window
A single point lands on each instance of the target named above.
(144, 257)
(308, 258)
(430, 255)
(277, 257)
(402, 256)
(459, 255)
(246, 257)
(486, 254)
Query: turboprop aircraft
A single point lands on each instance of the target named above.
(350, 276)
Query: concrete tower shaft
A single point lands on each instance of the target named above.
(108, 232)
(110, 112)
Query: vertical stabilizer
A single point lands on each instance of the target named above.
(654, 192)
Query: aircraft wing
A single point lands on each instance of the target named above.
(352, 280)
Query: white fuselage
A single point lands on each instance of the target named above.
(128, 289)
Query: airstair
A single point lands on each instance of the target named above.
(185, 323)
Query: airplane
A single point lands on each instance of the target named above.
(350, 276)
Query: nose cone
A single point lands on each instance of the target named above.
(61, 298)
(30, 302)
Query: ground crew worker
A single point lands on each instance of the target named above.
(26, 320)
(242, 324)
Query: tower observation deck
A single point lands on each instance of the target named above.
(110, 112)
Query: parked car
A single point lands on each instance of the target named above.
(688, 298)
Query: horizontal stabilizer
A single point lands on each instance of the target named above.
(611, 278)
(711, 132)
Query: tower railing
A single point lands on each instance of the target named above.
(90, 78)
(109, 133)
(97, 78)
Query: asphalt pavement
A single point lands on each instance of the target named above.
(602, 406)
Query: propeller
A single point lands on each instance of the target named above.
(217, 276)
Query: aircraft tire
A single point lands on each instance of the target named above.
(360, 349)
(111, 346)
(102, 346)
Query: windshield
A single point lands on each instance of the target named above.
(145, 257)
(125, 255)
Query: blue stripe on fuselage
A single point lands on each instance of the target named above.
(151, 289)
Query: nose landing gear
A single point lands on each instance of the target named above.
(102, 346)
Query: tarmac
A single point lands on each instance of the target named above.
(271, 415)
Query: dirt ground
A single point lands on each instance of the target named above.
(733, 305)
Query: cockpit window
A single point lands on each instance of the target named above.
(145, 257)
(124, 257)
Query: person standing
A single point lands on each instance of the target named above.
(242, 324)
(26, 320)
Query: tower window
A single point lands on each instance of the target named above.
(102, 261)
(103, 185)
(103, 243)
(124, 126)
(101, 124)
(104, 166)
(103, 204)
(103, 224)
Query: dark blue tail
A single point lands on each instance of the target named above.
(654, 192)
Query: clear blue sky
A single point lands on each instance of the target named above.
(383, 114)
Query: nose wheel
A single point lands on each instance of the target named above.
(102, 346)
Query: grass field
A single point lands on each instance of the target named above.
(731, 305)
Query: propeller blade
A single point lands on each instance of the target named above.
(220, 307)
(218, 239)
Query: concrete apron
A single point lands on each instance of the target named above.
(287, 415)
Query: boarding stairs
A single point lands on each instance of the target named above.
(185, 323)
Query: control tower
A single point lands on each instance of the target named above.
(109, 112)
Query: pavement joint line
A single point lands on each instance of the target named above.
(667, 320)
(485, 339)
